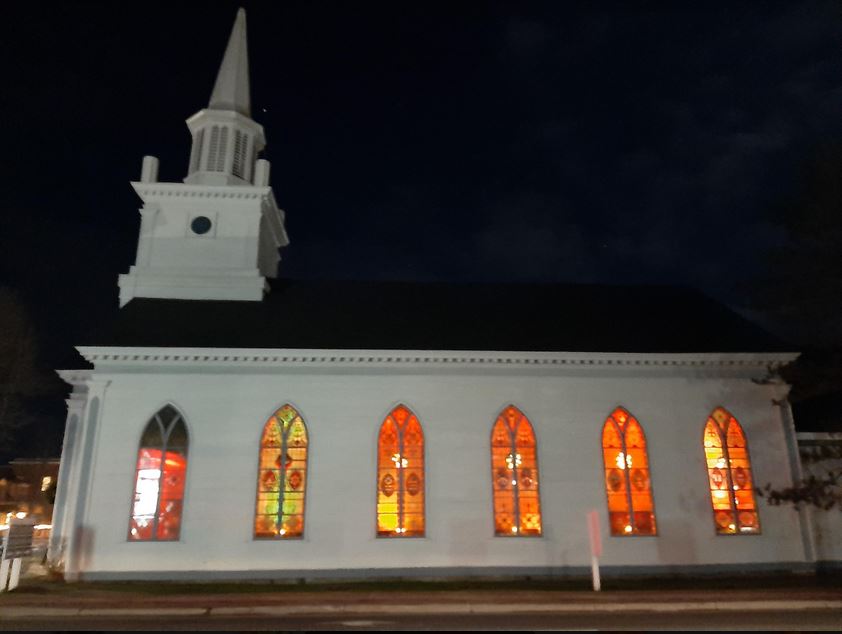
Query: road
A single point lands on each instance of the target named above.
(830, 620)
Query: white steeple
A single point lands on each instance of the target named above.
(231, 90)
(215, 236)
(226, 139)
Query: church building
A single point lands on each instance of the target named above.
(240, 425)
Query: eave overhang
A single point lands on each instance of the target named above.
(758, 366)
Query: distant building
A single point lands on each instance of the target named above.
(8, 491)
(238, 426)
(27, 486)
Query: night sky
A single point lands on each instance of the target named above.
(628, 143)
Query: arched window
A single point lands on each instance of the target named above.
(631, 510)
(729, 475)
(159, 480)
(514, 473)
(282, 479)
(400, 475)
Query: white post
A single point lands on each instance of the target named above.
(14, 578)
(596, 547)
(595, 573)
(4, 574)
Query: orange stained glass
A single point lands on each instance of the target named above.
(729, 475)
(631, 509)
(160, 475)
(514, 475)
(400, 475)
(282, 476)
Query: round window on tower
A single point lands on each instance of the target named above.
(200, 225)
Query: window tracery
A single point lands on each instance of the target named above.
(729, 475)
(514, 473)
(282, 478)
(631, 509)
(160, 478)
(400, 475)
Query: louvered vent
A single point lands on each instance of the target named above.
(213, 149)
(240, 142)
(223, 148)
(196, 158)
(252, 152)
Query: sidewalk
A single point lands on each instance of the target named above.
(90, 601)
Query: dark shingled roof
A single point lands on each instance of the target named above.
(434, 316)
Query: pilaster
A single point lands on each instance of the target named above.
(68, 465)
(805, 518)
(78, 536)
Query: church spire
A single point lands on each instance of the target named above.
(226, 140)
(231, 90)
(216, 236)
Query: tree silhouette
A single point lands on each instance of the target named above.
(20, 378)
(802, 299)
(822, 490)
(801, 295)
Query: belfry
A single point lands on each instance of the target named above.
(216, 236)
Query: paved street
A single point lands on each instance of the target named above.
(768, 620)
(744, 603)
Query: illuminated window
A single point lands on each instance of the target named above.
(46, 481)
(514, 473)
(631, 510)
(282, 478)
(729, 475)
(400, 475)
(159, 479)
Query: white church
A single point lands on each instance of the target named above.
(237, 425)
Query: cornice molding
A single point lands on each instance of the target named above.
(152, 191)
(80, 380)
(75, 378)
(138, 357)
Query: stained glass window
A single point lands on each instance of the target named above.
(631, 510)
(514, 474)
(159, 478)
(282, 477)
(729, 475)
(400, 475)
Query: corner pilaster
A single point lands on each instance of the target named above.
(79, 536)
